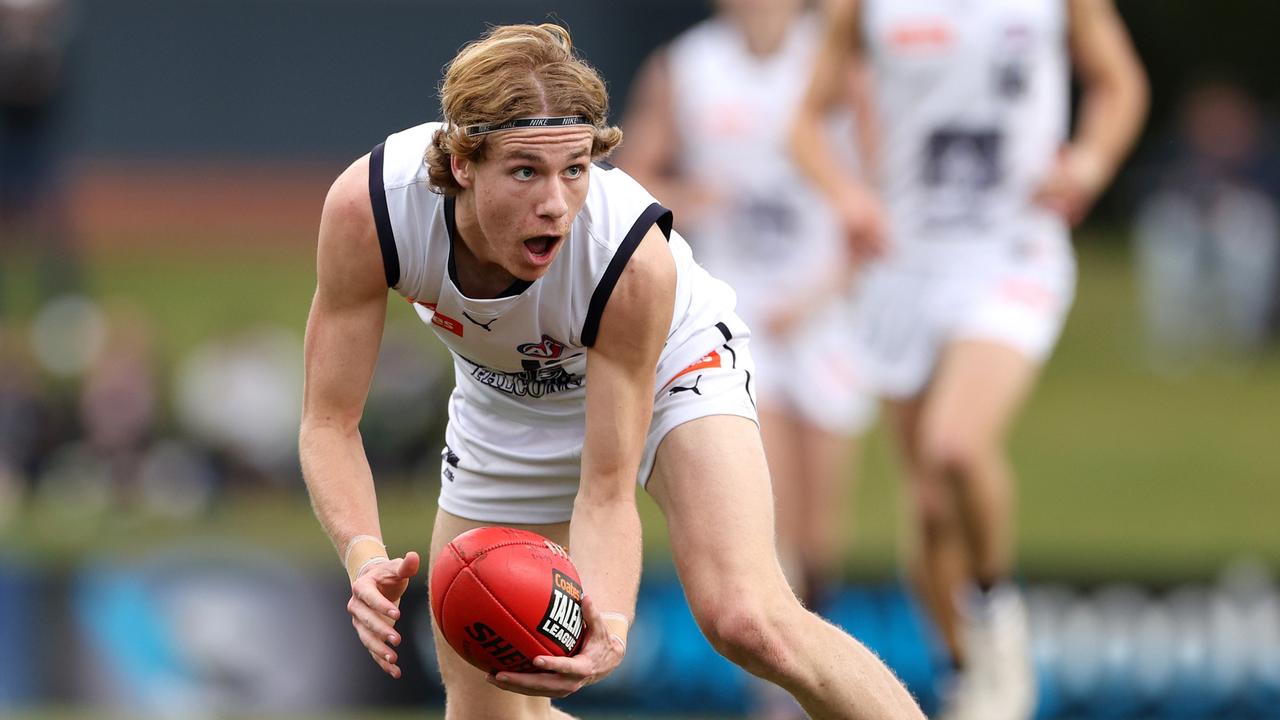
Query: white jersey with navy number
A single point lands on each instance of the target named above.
(973, 101)
(769, 232)
(518, 407)
(972, 97)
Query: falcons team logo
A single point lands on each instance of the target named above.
(548, 349)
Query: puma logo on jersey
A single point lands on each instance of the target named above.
(693, 387)
(474, 321)
(548, 349)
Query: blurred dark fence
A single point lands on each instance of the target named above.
(301, 78)
(308, 79)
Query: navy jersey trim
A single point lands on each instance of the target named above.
(382, 218)
(451, 225)
(654, 214)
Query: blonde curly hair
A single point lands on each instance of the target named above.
(515, 71)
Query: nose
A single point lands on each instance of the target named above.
(553, 204)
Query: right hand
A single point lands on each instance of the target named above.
(863, 216)
(558, 677)
(374, 607)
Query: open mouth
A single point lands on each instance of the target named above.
(540, 247)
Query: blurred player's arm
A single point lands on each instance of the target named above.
(1113, 106)
(841, 78)
(344, 331)
(652, 144)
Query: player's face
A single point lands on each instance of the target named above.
(526, 194)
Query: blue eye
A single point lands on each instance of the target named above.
(524, 173)
(575, 171)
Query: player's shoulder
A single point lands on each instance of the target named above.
(400, 156)
(347, 202)
(615, 202)
(618, 210)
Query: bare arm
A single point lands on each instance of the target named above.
(840, 77)
(1113, 107)
(653, 142)
(344, 330)
(604, 531)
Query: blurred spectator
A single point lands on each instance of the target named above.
(242, 396)
(1208, 238)
(26, 419)
(118, 405)
(116, 459)
(402, 440)
(67, 335)
(34, 42)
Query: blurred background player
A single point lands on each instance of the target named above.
(972, 271)
(1207, 236)
(707, 133)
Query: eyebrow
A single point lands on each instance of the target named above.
(537, 158)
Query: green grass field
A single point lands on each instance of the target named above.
(1123, 473)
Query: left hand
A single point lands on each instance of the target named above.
(1073, 184)
(601, 652)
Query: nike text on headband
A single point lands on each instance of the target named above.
(484, 129)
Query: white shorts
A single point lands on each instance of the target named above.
(514, 471)
(811, 372)
(907, 313)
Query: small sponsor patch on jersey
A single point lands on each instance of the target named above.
(441, 320)
(563, 620)
(710, 360)
(921, 34)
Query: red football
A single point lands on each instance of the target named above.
(502, 597)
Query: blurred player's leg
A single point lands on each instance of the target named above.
(711, 481)
(977, 390)
(781, 437)
(823, 484)
(807, 464)
(938, 561)
(468, 696)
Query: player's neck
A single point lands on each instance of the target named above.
(763, 33)
(477, 277)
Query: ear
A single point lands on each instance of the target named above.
(462, 169)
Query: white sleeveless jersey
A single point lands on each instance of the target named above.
(973, 98)
(770, 233)
(523, 356)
